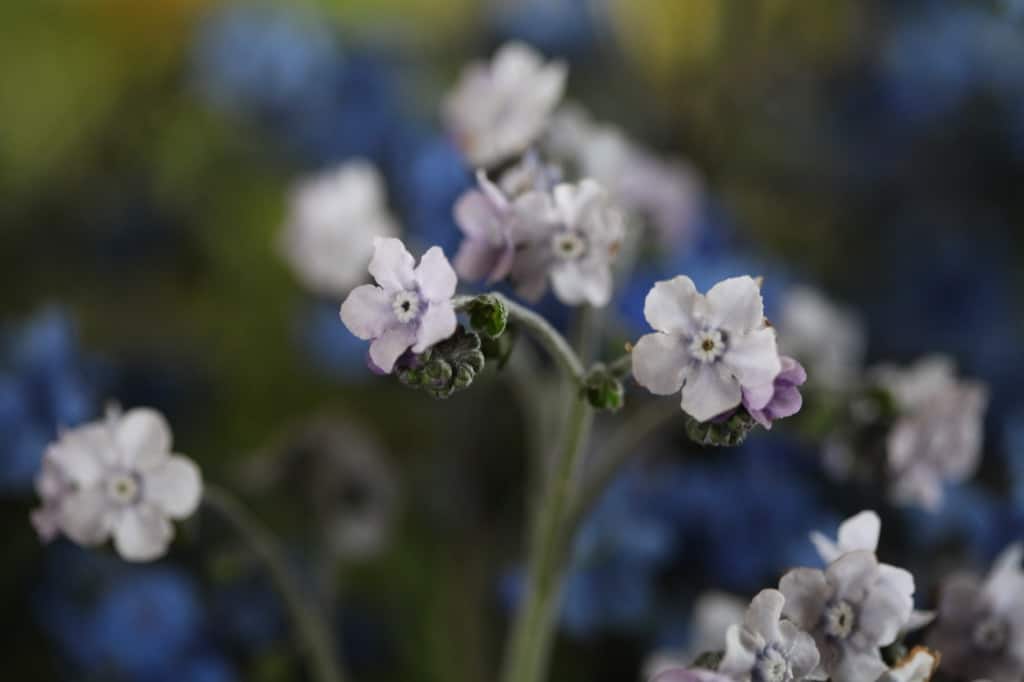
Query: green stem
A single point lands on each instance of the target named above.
(313, 632)
(622, 366)
(530, 640)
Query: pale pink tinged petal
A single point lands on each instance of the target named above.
(143, 437)
(504, 265)
(860, 531)
(670, 305)
(707, 393)
(477, 259)
(389, 346)
(754, 358)
(85, 516)
(786, 402)
(80, 459)
(852, 573)
(142, 533)
(739, 658)
(435, 276)
(437, 324)
(476, 217)
(763, 614)
(792, 372)
(175, 487)
(827, 550)
(660, 363)
(757, 397)
(392, 265)
(367, 312)
(806, 591)
(736, 305)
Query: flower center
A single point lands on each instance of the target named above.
(771, 666)
(124, 488)
(839, 620)
(990, 634)
(568, 245)
(708, 345)
(406, 305)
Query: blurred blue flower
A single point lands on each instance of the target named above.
(44, 384)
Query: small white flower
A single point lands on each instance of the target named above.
(497, 110)
(333, 219)
(827, 339)
(765, 648)
(859, 532)
(711, 346)
(117, 477)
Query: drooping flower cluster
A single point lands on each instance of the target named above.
(117, 477)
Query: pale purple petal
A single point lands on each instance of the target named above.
(801, 651)
(367, 312)
(670, 305)
(143, 437)
(660, 363)
(142, 533)
(888, 605)
(740, 653)
(478, 259)
(758, 397)
(389, 346)
(579, 282)
(437, 324)
(392, 265)
(175, 487)
(806, 591)
(792, 372)
(735, 305)
(707, 393)
(852, 573)
(435, 277)
(763, 614)
(753, 358)
(477, 216)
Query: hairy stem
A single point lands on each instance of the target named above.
(316, 641)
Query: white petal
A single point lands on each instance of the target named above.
(437, 324)
(754, 358)
(827, 550)
(739, 655)
(806, 591)
(852, 573)
(174, 486)
(579, 282)
(671, 305)
(763, 614)
(435, 276)
(860, 532)
(735, 305)
(85, 516)
(707, 394)
(367, 312)
(143, 437)
(660, 363)
(390, 345)
(83, 454)
(142, 533)
(392, 265)
(802, 652)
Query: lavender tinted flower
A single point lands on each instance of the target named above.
(980, 626)
(711, 346)
(852, 608)
(828, 339)
(499, 109)
(408, 308)
(765, 648)
(785, 399)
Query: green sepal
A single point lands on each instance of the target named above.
(447, 367)
(725, 433)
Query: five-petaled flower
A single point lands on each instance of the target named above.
(408, 308)
(117, 477)
(714, 347)
(765, 648)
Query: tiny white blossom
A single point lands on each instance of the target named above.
(499, 109)
(712, 346)
(765, 648)
(117, 477)
(827, 339)
(333, 218)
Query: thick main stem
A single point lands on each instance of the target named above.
(531, 638)
(314, 635)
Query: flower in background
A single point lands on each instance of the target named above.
(858, 533)
(785, 400)
(852, 608)
(333, 219)
(980, 625)
(571, 238)
(45, 384)
(765, 648)
(408, 308)
(938, 437)
(117, 477)
(712, 347)
(828, 339)
(486, 216)
(499, 109)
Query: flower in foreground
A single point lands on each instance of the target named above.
(784, 399)
(408, 308)
(117, 477)
(713, 347)
(765, 648)
(852, 608)
(497, 110)
(858, 533)
(332, 219)
(980, 626)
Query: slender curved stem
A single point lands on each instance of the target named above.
(542, 331)
(314, 634)
(530, 640)
(622, 366)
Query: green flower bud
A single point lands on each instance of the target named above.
(447, 367)
(604, 391)
(487, 315)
